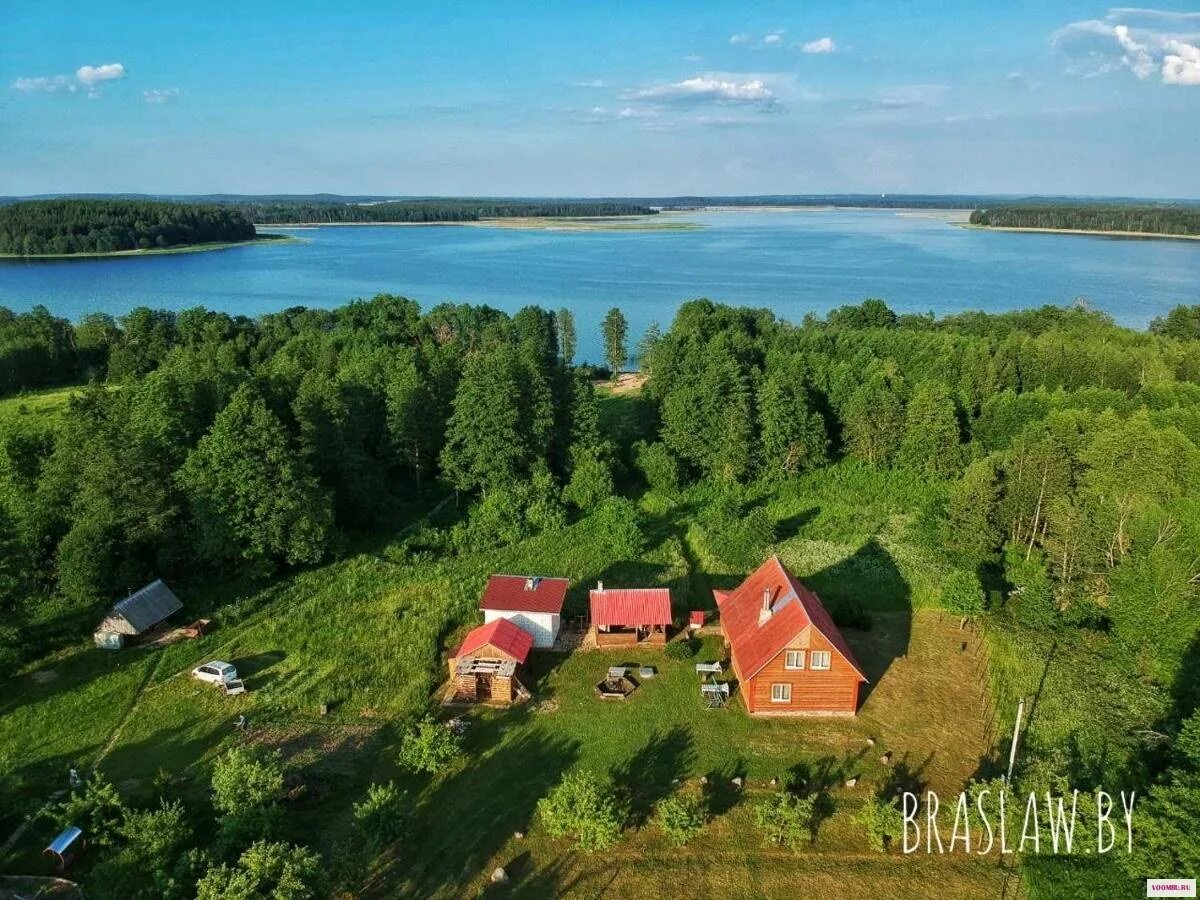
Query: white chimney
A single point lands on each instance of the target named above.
(600, 585)
(765, 613)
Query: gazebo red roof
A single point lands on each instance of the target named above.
(501, 634)
(524, 593)
(631, 606)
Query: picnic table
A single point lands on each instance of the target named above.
(713, 668)
(716, 696)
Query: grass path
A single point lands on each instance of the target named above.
(115, 734)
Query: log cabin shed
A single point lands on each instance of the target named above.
(789, 657)
(630, 616)
(532, 602)
(137, 614)
(486, 665)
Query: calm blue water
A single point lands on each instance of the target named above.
(792, 262)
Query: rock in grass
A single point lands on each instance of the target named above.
(851, 782)
(886, 759)
(519, 835)
(774, 781)
(738, 782)
(499, 876)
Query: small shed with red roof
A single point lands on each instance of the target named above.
(486, 665)
(627, 616)
(788, 655)
(532, 602)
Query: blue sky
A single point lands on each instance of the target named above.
(588, 98)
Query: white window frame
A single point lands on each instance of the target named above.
(788, 657)
(824, 656)
(781, 692)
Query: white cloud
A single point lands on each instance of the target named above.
(160, 96)
(93, 75)
(1144, 41)
(774, 38)
(590, 83)
(1181, 65)
(1137, 56)
(712, 88)
(820, 45)
(742, 38)
(90, 78)
(693, 57)
(44, 85)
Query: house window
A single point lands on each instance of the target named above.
(781, 693)
(794, 660)
(820, 659)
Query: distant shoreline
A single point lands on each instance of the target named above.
(155, 251)
(1085, 232)
(530, 223)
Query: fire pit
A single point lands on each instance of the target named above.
(617, 685)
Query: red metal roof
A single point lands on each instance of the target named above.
(794, 608)
(697, 617)
(501, 634)
(524, 593)
(631, 606)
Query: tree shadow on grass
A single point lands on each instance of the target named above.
(817, 778)
(649, 775)
(720, 792)
(464, 818)
(786, 529)
(869, 580)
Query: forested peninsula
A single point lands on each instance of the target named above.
(80, 227)
(1175, 221)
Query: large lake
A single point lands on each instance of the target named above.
(791, 261)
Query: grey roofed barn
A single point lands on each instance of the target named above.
(141, 611)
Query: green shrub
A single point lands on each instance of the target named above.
(962, 594)
(619, 521)
(591, 480)
(96, 807)
(681, 817)
(380, 815)
(658, 466)
(429, 746)
(882, 819)
(786, 819)
(735, 535)
(157, 836)
(585, 807)
(266, 871)
(246, 779)
(684, 648)
(1031, 600)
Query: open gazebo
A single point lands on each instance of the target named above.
(630, 616)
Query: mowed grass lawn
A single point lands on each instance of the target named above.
(925, 709)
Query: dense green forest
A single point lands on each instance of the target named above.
(458, 210)
(1057, 455)
(62, 227)
(1163, 219)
